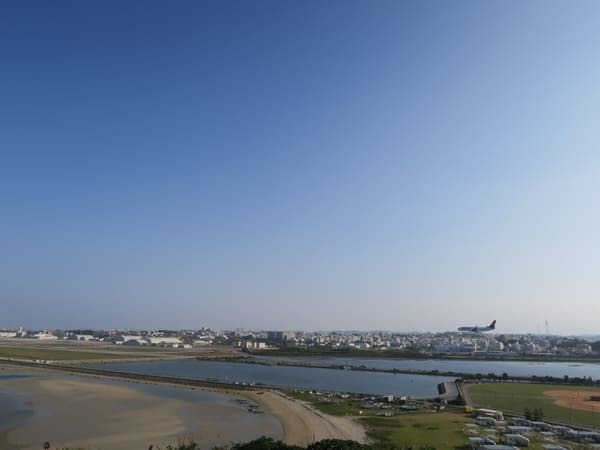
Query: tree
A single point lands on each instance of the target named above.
(183, 445)
(265, 443)
(337, 444)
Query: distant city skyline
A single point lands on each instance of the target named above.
(300, 165)
(456, 333)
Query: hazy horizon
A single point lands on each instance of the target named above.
(316, 331)
(300, 165)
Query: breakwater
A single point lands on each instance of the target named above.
(467, 376)
(187, 381)
(457, 376)
(360, 368)
(139, 376)
(291, 377)
(467, 368)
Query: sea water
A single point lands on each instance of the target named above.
(289, 377)
(13, 408)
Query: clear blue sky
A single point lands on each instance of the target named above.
(408, 165)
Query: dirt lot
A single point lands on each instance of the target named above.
(575, 399)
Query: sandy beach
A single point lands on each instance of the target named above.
(99, 413)
(303, 425)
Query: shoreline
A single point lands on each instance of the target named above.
(82, 366)
(303, 425)
(177, 380)
(297, 423)
(311, 364)
(370, 354)
(70, 412)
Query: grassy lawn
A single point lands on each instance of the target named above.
(58, 355)
(332, 406)
(518, 396)
(148, 349)
(446, 429)
(442, 430)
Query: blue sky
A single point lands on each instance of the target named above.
(300, 165)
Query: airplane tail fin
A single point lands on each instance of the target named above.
(493, 325)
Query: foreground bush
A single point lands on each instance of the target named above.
(266, 443)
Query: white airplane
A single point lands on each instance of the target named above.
(478, 329)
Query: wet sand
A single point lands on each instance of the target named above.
(75, 412)
(303, 425)
(79, 411)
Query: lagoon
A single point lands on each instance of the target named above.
(471, 366)
(289, 377)
(353, 381)
(14, 410)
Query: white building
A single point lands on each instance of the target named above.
(45, 336)
(85, 337)
(8, 334)
(165, 341)
(131, 340)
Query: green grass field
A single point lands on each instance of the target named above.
(334, 407)
(441, 430)
(149, 349)
(59, 355)
(518, 396)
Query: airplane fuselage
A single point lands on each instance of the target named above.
(478, 329)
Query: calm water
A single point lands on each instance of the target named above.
(355, 381)
(16, 409)
(294, 377)
(515, 368)
(183, 393)
(13, 409)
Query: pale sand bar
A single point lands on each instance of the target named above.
(302, 424)
(75, 411)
